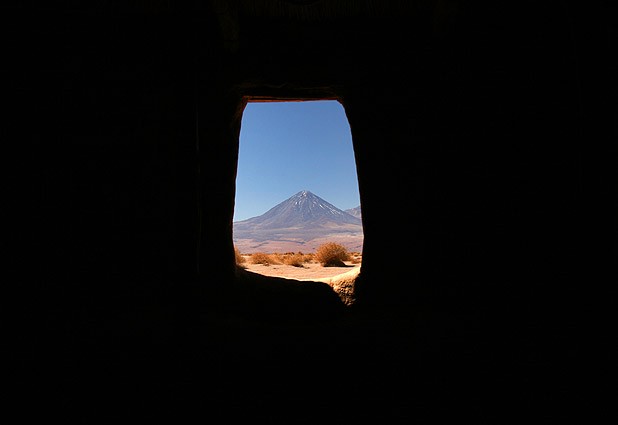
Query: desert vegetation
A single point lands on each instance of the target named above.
(327, 255)
(240, 260)
(332, 254)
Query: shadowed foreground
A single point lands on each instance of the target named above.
(282, 352)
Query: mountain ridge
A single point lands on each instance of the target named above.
(299, 223)
(356, 211)
(303, 208)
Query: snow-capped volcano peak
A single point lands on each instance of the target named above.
(301, 222)
(300, 210)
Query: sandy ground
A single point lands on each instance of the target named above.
(308, 271)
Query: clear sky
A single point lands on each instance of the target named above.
(286, 147)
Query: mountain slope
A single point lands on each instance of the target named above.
(304, 209)
(356, 211)
(301, 222)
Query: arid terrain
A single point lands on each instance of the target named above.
(300, 224)
(311, 270)
(353, 242)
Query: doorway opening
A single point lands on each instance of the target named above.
(297, 203)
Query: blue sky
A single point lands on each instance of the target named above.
(286, 147)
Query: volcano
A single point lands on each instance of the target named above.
(300, 223)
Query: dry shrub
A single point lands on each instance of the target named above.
(332, 254)
(239, 258)
(356, 258)
(296, 260)
(263, 258)
(277, 258)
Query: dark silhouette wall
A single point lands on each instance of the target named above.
(495, 127)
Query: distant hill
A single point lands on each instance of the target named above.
(356, 211)
(300, 223)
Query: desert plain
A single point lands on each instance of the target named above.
(308, 271)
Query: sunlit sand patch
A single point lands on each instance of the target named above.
(342, 284)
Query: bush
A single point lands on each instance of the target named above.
(332, 254)
(239, 258)
(262, 258)
(296, 260)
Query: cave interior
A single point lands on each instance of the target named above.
(485, 145)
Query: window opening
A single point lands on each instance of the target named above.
(297, 202)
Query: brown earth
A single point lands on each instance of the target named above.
(341, 279)
(309, 271)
